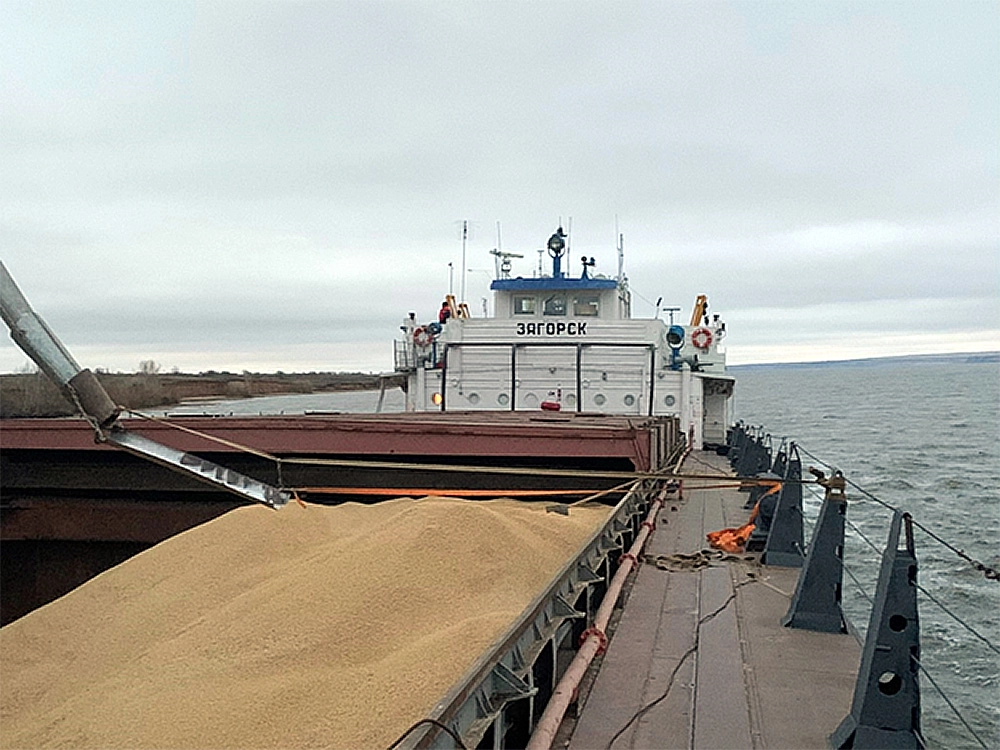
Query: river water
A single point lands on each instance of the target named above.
(923, 437)
(920, 436)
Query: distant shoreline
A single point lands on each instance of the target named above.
(948, 358)
(34, 395)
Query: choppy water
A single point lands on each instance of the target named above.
(924, 437)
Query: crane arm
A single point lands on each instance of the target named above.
(700, 305)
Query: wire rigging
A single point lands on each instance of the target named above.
(958, 619)
(864, 538)
(990, 573)
(948, 701)
(920, 588)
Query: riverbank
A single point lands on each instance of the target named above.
(33, 395)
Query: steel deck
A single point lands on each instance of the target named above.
(746, 682)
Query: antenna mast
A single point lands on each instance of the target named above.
(497, 255)
(621, 256)
(465, 237)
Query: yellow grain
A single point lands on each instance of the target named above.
(314, 626)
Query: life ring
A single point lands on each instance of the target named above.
(701, 338)
(422, 337)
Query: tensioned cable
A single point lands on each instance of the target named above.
(817, 459)
(861, 534)
(516, 470)
(923, 669)
(948, 701)
(926, 593)
(205, 435)
(861, 590)
(958, 619)
(990, 574)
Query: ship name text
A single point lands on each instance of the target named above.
(553, 328)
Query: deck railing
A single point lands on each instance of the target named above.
(887, 705)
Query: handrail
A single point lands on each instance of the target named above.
(742, 432)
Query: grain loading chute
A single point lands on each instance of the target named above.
(82, 389)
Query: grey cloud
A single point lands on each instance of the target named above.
(191, 160)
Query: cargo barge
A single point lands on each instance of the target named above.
(709, 650)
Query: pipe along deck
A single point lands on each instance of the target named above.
(697, 658)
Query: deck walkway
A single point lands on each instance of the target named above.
(699, 658)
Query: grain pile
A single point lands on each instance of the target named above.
(308, 627)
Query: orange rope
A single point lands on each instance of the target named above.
(410, 492)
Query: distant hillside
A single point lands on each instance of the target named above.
(930, 359)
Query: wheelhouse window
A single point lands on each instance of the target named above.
(524, 304)
(554, 305)
(586, 305)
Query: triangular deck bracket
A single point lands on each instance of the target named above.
(784, 546)
(885, 712)
(816, 603)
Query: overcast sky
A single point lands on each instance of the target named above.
(273, 186)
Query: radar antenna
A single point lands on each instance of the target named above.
(501, 261)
